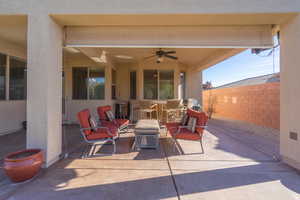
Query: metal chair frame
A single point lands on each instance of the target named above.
(175, 142)
(94, 143)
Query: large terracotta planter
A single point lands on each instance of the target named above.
(23, 165)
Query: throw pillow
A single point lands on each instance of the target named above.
(184, 120)
(110, 115)
(93, 123)
(192, 124)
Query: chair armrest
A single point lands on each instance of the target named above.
(84, 129)
(178, 128)
(204, 127)
(98, 127)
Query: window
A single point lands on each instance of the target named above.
(166, 85)
(182, 85)
(88, 83)
(133, 85)
(150, 84)
(96, 83)
(17, 79)
(2, 76)
(158, 84)
(80, 83)
(113, 83)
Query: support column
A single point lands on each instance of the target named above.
(108, 83)
(176, 82)
(194, 85)
(44, 86)
(290, 92)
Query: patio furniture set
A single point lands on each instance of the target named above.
(107, 128)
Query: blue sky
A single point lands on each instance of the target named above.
(241, 66)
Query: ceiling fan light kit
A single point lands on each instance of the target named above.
(161, 54)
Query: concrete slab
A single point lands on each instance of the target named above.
(124, 151)
(230, 168)
(113, 184)
(237, 183)
(217, 147)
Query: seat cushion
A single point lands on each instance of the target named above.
(172, 125)
(110, 116)
(101, 133)
(83, 118)
(184, 134)
(122, 122)
(101, 112)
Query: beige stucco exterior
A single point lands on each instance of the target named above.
(42, 38)
(290, 91)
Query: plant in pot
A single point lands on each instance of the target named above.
(23, 165)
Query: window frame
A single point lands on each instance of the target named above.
(8, 73)
(7, 78)
(158, 84)
(87, 83)
(130, 91)
(5, 66)
(113, 84)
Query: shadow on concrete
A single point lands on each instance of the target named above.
(155, 188)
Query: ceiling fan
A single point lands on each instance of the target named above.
(161, 54)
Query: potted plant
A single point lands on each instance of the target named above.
(23, 165)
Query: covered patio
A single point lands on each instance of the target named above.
(60, 57)
(236, 165)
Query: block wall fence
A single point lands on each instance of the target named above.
(256, 104)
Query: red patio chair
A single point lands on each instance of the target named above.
(121, 124)
(102, 134)
(177, 131)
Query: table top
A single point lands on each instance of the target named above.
(147, 125)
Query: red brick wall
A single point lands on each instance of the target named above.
(257, 104)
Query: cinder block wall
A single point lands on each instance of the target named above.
(257, 104)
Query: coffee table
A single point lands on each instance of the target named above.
(146, 133)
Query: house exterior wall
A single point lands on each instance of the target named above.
(255, 104)
(12, 112)
(150, 7)
(122, 83)
(290, 95)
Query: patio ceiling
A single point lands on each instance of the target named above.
(189, 56)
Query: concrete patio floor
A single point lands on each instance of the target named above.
(235, 165)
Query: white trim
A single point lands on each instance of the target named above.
(166, 46)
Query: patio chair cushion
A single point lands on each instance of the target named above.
(101, 112)
(184, 134)
(171, 125)
(83, 118)
(101, 133)
(93, 123)
(122, 122)
(192, 124)
(110, 116)
(202, 119)
(184, 120)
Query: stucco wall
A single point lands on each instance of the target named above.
(257, 104)
(12, 114)
(290, 95)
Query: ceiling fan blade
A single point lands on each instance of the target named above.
(172, 57)
(145, 58)
(170, 52)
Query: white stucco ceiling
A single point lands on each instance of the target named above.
(192, 57)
